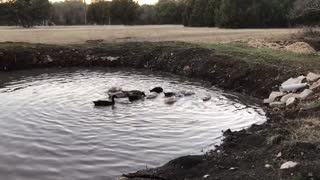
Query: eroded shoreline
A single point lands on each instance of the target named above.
(244, 154)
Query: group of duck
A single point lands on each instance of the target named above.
(134, 95)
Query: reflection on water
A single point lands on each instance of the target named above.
(50, 129)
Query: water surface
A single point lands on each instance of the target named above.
(50, 129)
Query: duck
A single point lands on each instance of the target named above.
(105, 102)
(170, 94)
(206, 97)
(135, 95)
(123, 101)
(152, 95)
(187, 93)
(119, 94)
(157, 90)
(114, 89)
(170, 100)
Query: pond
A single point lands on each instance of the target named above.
(50, 129)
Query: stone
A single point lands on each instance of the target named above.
(291, 81)
(187, 70)
(267, 166)
(291, 102)
(275, 95)
(112, 58)
(233, 169)
(206, 176)
(312, 77)
(277, 104)
(305, 94)
(279, 155)
(49, 59)
(88, 58)
(266, 101)
(292, 87)
(285, 98)
(288, 165)
(315, 85)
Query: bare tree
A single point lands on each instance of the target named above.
(305, 7)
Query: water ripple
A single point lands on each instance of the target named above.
(50, 130)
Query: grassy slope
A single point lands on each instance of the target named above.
(239, 50)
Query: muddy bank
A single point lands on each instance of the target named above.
(255, 153)
(231, 73)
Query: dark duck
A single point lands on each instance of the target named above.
(105, 102)
(135, 95)
(157, 90)
(160, 90)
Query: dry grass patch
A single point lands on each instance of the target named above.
(153, 33)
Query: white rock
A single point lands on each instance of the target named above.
(291, 101)
(292, 87)
(305, 94)
(279, 155)
(315, 85)
(285, 98)
(206, 176)
(288, 165)
(312, 77)
(274, 95)
(266, 101)
(49, 58)
(267, 166)
(277, 104)
(291, 81)
(110, 58)
(233, 168)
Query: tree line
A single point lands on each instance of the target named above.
(194, 13)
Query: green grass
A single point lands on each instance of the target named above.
(237, 50)
(244, 52)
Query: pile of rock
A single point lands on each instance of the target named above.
(294, 90)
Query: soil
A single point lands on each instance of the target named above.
(243, 154)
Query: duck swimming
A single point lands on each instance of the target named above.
(170, 100)
(119, 94)
(187, 93)
(105, 102)
(135, 95)
(152, 95)
(170, 94)
(114, 89)
(157, 90)
(206, 97)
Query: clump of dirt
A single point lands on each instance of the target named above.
(291, 46)
(260, 43)
(301, 48)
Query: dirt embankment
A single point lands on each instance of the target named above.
(227, 72)
(256, 153)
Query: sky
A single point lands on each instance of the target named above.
(140, 1)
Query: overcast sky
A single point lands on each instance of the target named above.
(140, 1)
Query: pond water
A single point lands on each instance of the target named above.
(50, 129)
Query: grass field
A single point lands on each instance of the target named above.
(79, 34)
